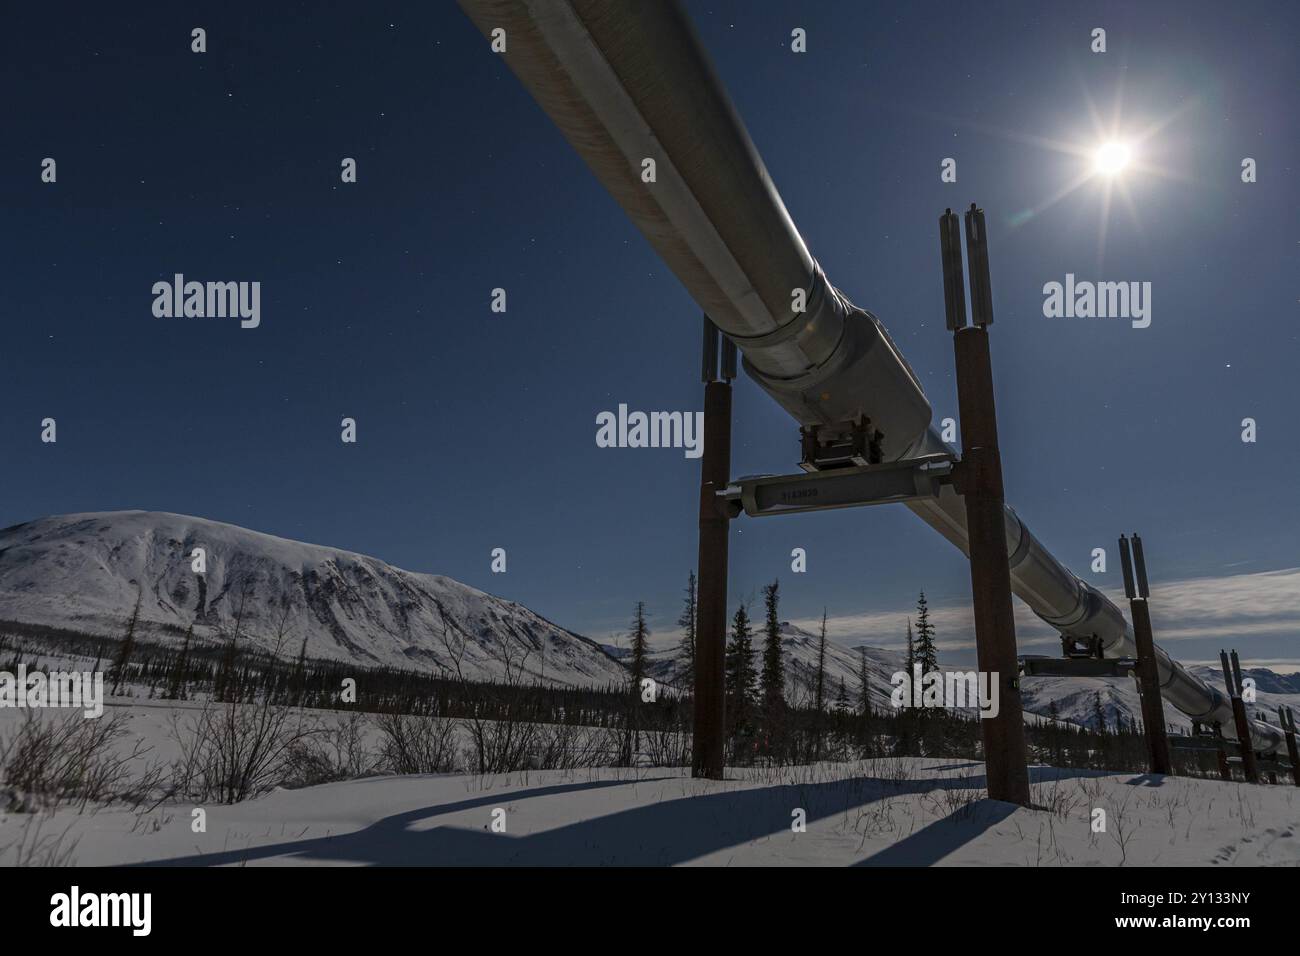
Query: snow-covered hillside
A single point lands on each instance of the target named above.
(1074, 697)
(82, 572)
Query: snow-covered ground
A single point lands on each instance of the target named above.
(80, 572)
(898, 811)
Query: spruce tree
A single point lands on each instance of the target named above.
(128, 644)
(864, 684)
(1098, 713)
(175, 686)
(1054, 734)
(773, 676)
(819, 686)
(773, 667)
(842, 699)
(222, 689)
(741, 680)
(640, 631)
(819, 691)
(926, 653)
(911, 650)
(299, 672)
(686, 649)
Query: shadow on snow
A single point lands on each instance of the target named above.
(671, 831)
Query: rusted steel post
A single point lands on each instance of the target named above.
(1232, 677)
(710, 725)
(980, 483)
(1225, 768)
(1153, 708)
(1287, 720)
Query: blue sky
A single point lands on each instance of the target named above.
(477, 430)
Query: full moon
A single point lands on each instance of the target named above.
(1111, 158)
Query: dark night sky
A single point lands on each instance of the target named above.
(477, 429)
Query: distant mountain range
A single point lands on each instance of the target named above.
(84, 572)
(1074, 698)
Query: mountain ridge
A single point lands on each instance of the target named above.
(83, 572)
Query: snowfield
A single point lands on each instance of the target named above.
(86, 572)
(898, 811)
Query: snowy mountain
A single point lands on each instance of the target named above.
(843, 664)
(83, 572)
(1074, 697)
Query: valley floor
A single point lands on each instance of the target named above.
(898, 811)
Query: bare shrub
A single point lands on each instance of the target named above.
(613, 747)
(76, 760)
(330, 753)
(668, 746)
(233, 752)
(954, 801)
(416, 744)
(1054, 797)
(503, 742)
(35, 848)
(566, 747)
(500, 746)
(1120, 826)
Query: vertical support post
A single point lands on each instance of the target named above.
(1287, 720)
(980, 483)
(710, 726)
(1232, 677)
(1153, 707)
(1225, 768)
(1244, 737)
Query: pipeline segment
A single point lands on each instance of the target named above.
(625, 81)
